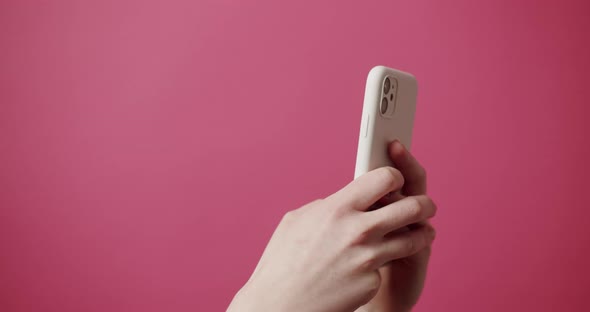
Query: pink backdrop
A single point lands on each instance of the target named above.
(148, 149)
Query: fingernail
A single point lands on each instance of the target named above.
(399, 143)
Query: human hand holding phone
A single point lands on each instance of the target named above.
(403, 279)
(328, 255)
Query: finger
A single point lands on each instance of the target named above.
(410, 169)
(419, 224)
(411, 227)
(364, 191)
(405, 244)
(413, 172)
(405, 212)
(389, 198)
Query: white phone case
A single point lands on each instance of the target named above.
(381, 126)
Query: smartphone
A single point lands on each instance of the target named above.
(388, 114)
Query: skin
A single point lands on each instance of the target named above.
(363, 248)
(403, 279)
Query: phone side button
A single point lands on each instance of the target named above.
(366, 125)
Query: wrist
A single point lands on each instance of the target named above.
(241, 305)
(248, 299)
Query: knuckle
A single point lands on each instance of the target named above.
(311, 204)
(368, 261)
(334, 213)
(373, 226)
(359, 234)
(361, 237)
(290, 216)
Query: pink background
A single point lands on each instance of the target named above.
(148, 149)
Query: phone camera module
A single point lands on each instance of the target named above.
(384, 105)
(386, 85)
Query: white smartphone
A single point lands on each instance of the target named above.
(388, 114)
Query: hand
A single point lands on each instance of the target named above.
(326, 255)
(403, 279)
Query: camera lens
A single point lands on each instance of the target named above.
(384, 104)
(386, 85)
